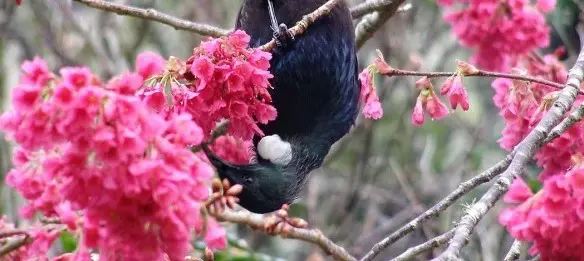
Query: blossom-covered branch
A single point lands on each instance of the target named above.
(524, 151)
(479, 73)
(152, 14)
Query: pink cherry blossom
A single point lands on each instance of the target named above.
(457, 94)
(149, 64)
(546, 6)
(427, 101)
(418, 113)
(372, 108)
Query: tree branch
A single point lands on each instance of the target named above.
(462, 189)
(572, 119)
(259, 222)
(362, 9)
(152, 14)
(373, 21)
(307, 20)
(14, 244)
(524, 151)
(514, 251)
(430, 244)
(481, 73)
(380, 11)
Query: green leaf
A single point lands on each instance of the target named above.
(534, 185)
(68, 241)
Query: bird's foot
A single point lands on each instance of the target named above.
(223, 195)
(282, 36)
(281, 224)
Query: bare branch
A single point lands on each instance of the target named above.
(372, 22)
(430, 244)
(462, 189)
(572, 119)
(514, 251)
(152, 14)
(524, 151)
(362, 9)
(14, 244)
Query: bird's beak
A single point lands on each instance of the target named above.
(224, 169)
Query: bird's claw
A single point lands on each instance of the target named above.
(224, 195)
(282, 36)
(280, 223)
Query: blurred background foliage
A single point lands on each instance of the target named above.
(378, 177)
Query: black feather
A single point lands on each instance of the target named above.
(315, 92)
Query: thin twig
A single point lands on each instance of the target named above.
(462, 189)
(572, 119)
(14, 244)
(302, 25)
(430, 244)
(314, 236)
(12, 232)
(481, 73)
(524, 151)
(152, 14)
(357, 11)
(514, 251)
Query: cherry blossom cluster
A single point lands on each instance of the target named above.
(427, 100)
(223, 79)
(119, 174)
(500, 32)
(552, 219)
(522, 106)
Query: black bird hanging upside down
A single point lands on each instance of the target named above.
(315, 91)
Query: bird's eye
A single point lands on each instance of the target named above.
(247, 180)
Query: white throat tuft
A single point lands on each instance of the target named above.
(274, 149)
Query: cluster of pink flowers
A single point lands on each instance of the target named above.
(223, 79)
(500, 32)
(553, 218)
(523, 104)
(233, 150)
(231, 82)
(113, 169)
(427, 100)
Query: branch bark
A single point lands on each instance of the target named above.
(462, 189)
(152, 14)
(373, 21)
(314, 236)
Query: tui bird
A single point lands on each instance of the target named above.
(315, 92)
